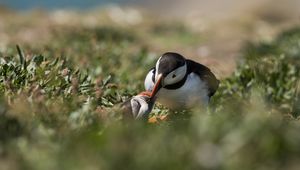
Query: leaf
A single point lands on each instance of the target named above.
(106, 80)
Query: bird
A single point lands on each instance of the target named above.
(180, 83)
(138, 106)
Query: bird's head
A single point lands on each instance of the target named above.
(170, 69)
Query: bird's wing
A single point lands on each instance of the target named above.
(205, 74)
(149, 80)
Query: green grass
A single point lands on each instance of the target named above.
(58, 106)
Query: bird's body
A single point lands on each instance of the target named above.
(194, 86)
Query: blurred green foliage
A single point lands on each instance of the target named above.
(273, 69)
(58, 107)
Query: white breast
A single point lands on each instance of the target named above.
(194, 92)
(148, 80)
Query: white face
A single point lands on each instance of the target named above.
(175, 76)
(156, 67)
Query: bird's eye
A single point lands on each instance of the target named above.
(173, 76)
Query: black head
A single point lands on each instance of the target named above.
(171, 68)
(169, 62)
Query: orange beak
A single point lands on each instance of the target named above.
(157, 86)
(145, 93)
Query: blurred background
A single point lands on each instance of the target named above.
(77, 60)
(223, 25)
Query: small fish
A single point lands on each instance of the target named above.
(138, 107)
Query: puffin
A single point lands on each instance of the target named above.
(179, 83)
(138, 107)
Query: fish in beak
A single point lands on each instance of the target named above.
(158, 85)
(138, 107)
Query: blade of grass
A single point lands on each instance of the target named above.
(21, 56)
